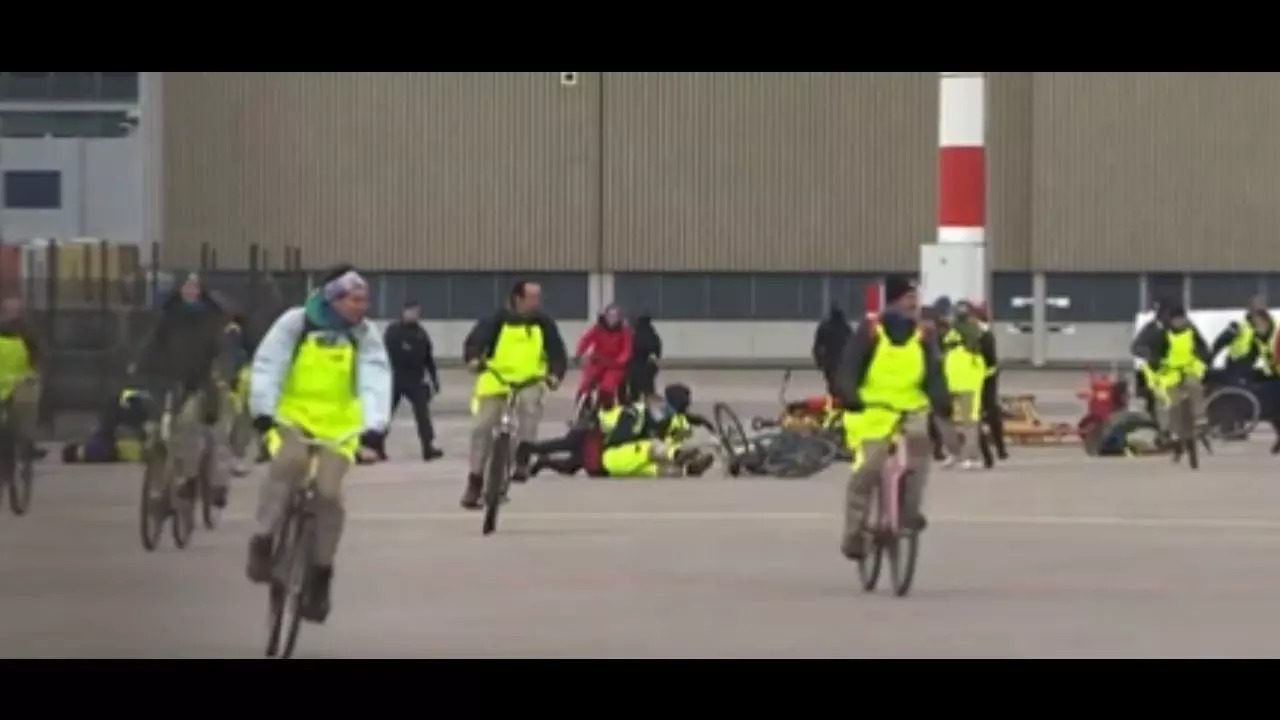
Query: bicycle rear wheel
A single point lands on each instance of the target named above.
(497, 476)
(869, 565)
(1231, 412)
(798, 455)
(152, 518)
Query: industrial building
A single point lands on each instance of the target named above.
(733, 206)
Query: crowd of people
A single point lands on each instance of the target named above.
(926, 374)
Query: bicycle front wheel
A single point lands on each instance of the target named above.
(497, 476)
(152, 513)
(297, 569)
(872, 559)
(903, 547)
(730, 432)
(210, 513)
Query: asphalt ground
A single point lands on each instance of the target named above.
(1052, 554)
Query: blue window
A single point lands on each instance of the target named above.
(33, 189)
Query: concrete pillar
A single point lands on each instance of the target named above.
(956, 265)
(151, 137)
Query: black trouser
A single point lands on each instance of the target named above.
(418, 396)
(639, 381)
(569, 446)
(993, 415)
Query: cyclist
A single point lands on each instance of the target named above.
(889, 363)
(647, 440)
(1175, 360)
(1150, 333)
(606, 347)
(21, 353)
(188, 348)
(321, 369)
(520, 343)
(966, 371)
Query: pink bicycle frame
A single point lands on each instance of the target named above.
(890, 481)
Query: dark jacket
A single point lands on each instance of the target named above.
(829, 340)
(987, 346)
(188, 344)
(631, 428)
(1146, 338)
(860, 350)
(411, 354)
(1152, 345)
(1228, 336)
(646, 345)
(483, 338)
(22, 328)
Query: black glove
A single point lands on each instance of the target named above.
(373, 440)
(853, 405)
(263, 423)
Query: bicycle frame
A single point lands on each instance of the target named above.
(891, 474)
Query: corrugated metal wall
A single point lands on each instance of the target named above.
(1155, 171)
(768, 171)
(466, 171)
(1009, 170)
(716, 171)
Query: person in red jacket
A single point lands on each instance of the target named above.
(604, 348)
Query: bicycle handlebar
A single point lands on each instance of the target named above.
(311, 440)
(514, 386)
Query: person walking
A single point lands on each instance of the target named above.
(642, 367)
(415, 378)
(992, 413)
(828, 343)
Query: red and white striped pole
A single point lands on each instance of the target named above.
(962, 174)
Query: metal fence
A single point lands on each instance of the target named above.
(95, 303)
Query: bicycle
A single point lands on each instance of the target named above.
(884, 533)
(1185, 434)
(293, 548)
(17, 466)
(783, 453)
(158, 470)
(498, 467)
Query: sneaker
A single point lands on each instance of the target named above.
(521, 474)
(699, 464)
(218, 496)
(853, 546)
(431, 453)
(240, 467)
(259, 568)
(471, 496)
(950, 461)
(969, 465)
(316, 604)
(918, 524)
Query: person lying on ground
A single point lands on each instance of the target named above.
(578, 449)
(648, 441)
(117, 435)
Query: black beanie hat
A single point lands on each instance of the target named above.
(895, 286)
